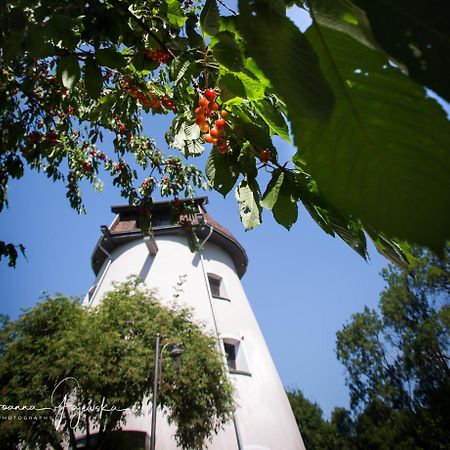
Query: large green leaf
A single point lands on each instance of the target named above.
(175, 14)
(286, 58)
(227, 52)
(93, 78)
(68, 71)
(279, 197)
(384, 155)
(249, 207)
(220, 172)
(285, 210)
(417, 35)
(343, 15)
(110, 57)
(185, 136)
(270, 197)
(210, 17)
(231, 87)
(272, 116)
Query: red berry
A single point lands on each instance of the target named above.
(220, 123)
(216, 133)
(200, 120)
(222, 149)
(40, 124)
(264, 156)
(210, 94)
(122, 127)
(85, 166)
(204, 128)
(221, 143)
(213, 106)
(203, 102)
(223, 114)
(208, 138)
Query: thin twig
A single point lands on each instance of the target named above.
(227, 7)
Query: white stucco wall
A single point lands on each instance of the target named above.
(263, 415)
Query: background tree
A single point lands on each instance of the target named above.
(317, 433)
(397, 360)
(109, 350)
(372, 145)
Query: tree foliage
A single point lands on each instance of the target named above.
(397, 360)
(317, 433)
(372, 147)
(109, 351)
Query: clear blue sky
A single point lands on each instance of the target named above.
(302, 284)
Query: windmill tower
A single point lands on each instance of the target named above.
(263, 418)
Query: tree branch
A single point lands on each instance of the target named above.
(139, 21)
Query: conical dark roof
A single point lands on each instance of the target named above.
(125, 229)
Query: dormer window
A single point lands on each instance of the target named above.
(217, 286)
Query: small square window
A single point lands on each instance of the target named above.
(236, 358)
(217, 286)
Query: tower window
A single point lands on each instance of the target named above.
(217, 286)
(236, 358)
(230, 351)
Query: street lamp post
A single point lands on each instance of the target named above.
(174, 354)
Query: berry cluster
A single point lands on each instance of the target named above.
(214, 129)
(148, 100)
(158, 54)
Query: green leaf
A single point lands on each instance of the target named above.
(37, 43)
(415, 36)
(110, 57)
(246, 160)
(175, 14)
(383, 157)
(273, 118)
(185, 136)
(249, 207)
(210, 18)
(279, 198)
(286, 58)
(63, 30)
(12, 41)
(195, 40)
(68, 71)
(93, 78)
(231, 87)
(344, 16)
(142, 62)
(258, 136)
(270, 197)
(285, 210)
(178, 69)
(227, 51)
(220, 172)
(254, 89)
(328, 218)
(396, 252)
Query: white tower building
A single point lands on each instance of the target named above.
(212, 289)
